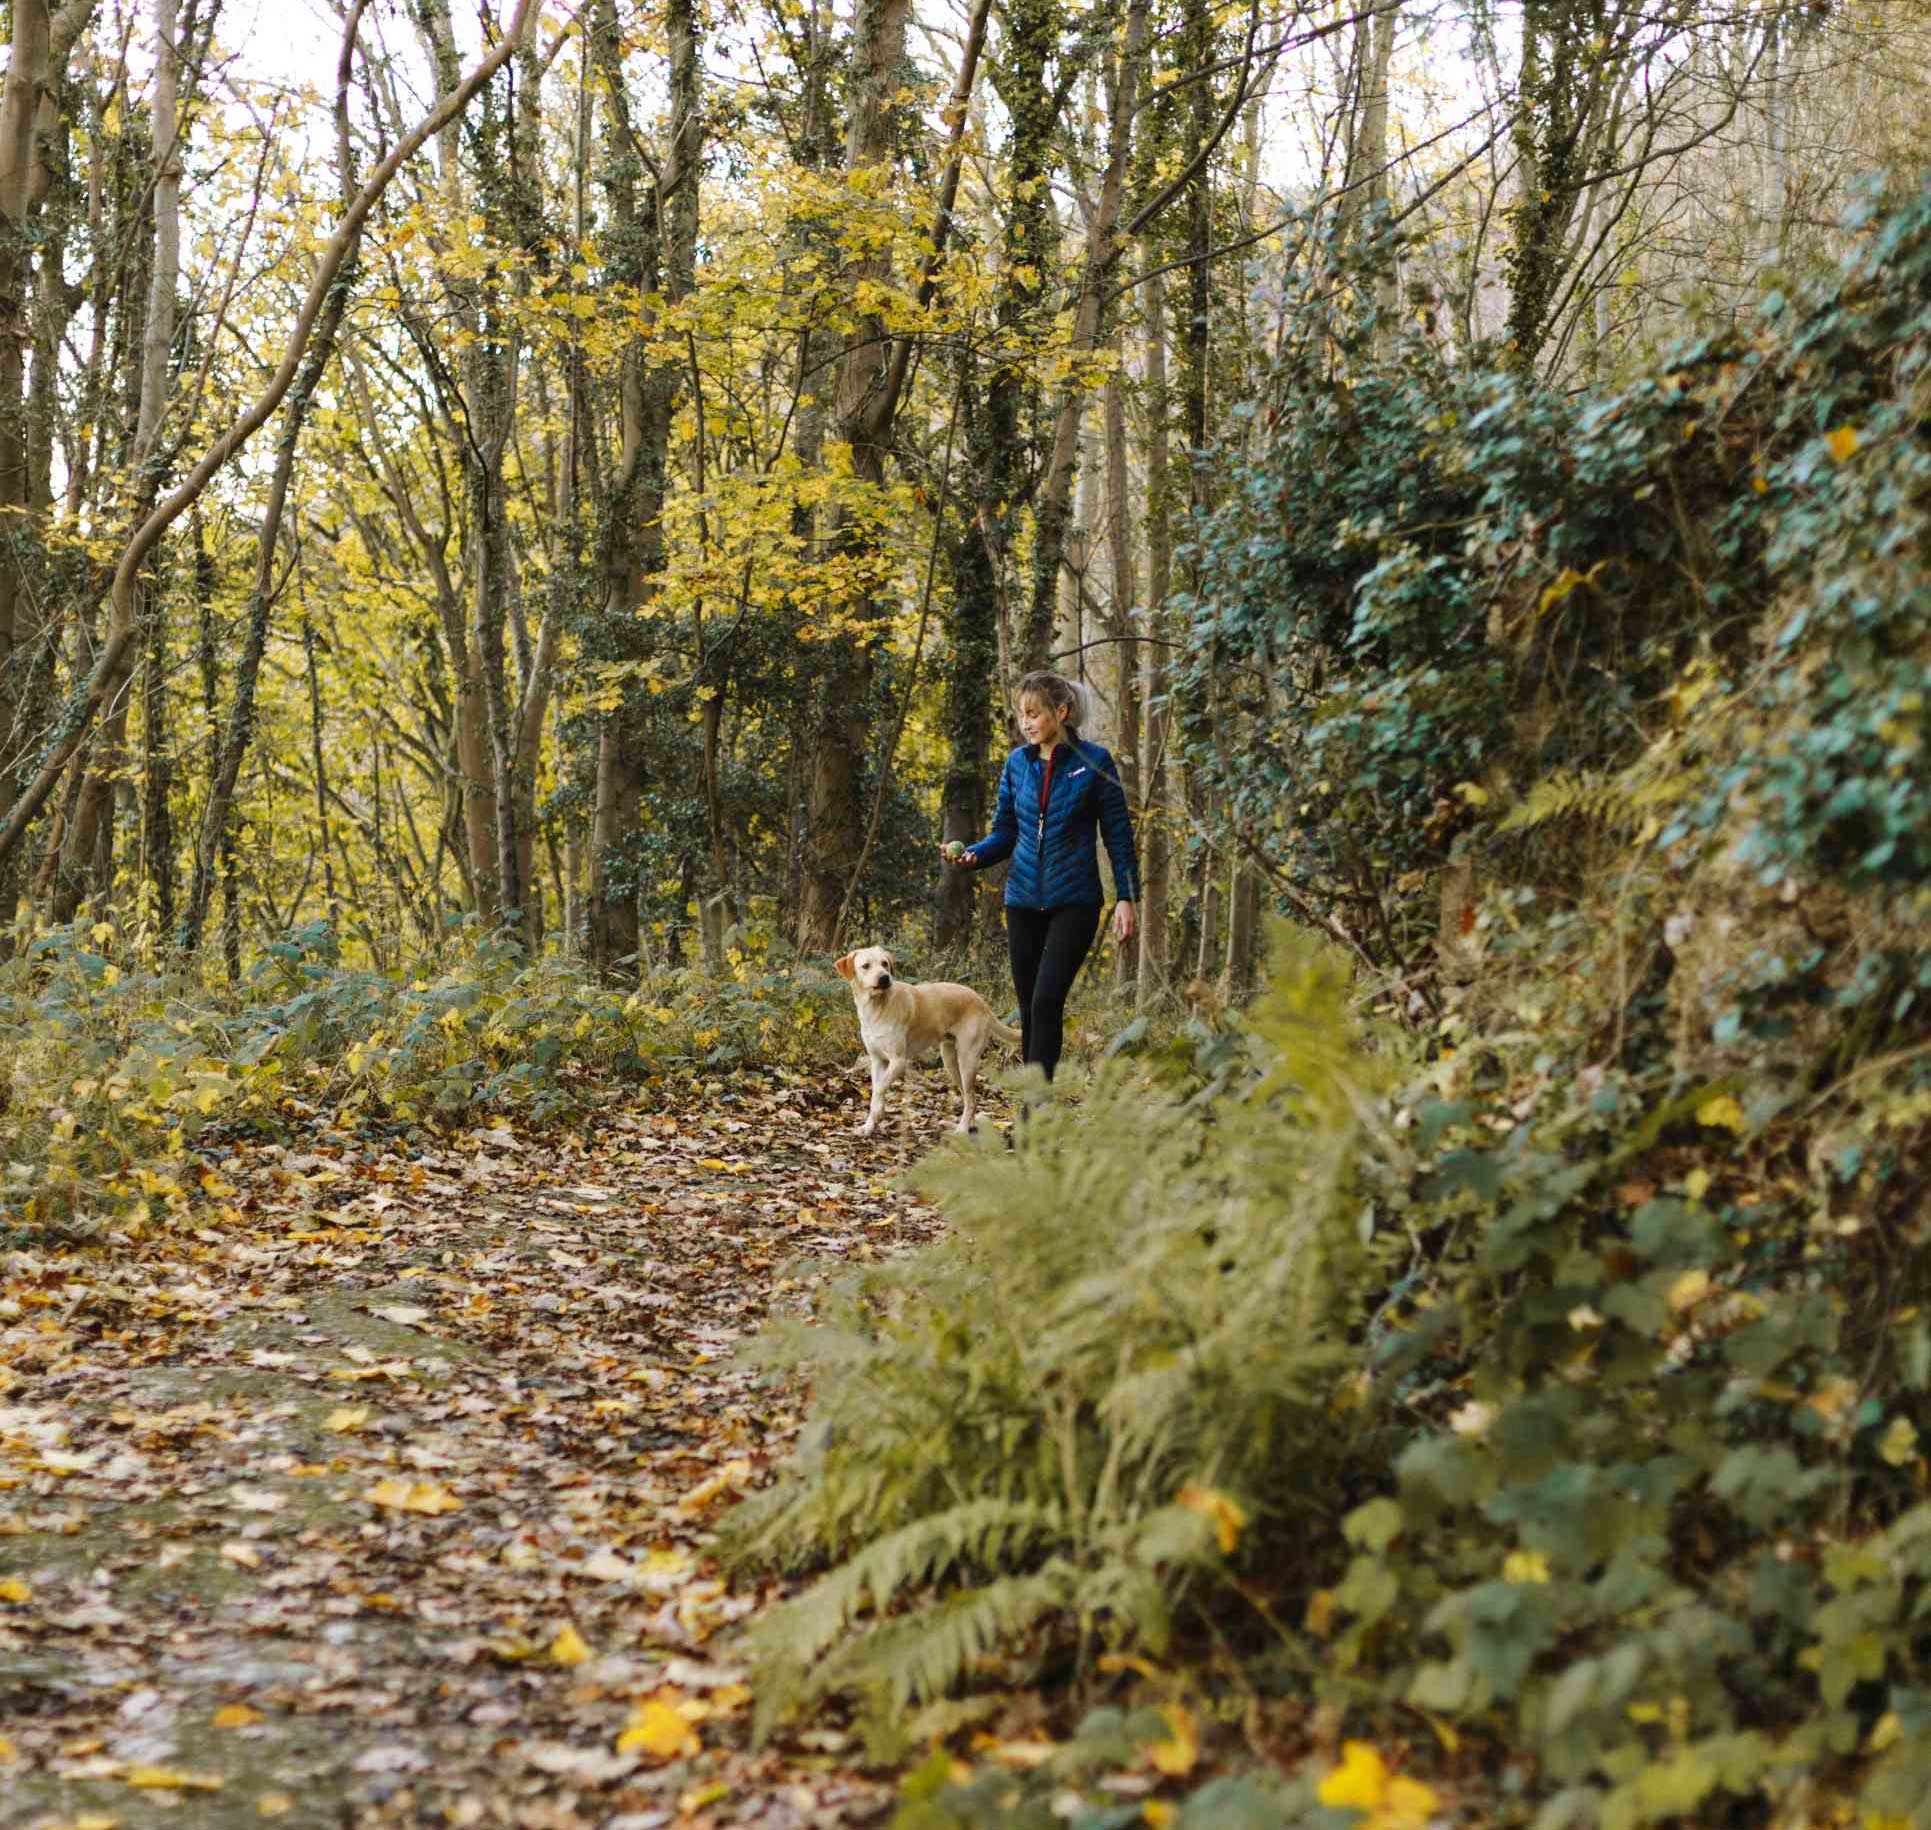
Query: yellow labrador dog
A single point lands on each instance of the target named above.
(899, 1021)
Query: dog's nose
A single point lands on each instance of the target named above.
(884, 979)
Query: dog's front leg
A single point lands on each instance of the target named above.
(884, 1073)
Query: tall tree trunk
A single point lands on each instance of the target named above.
(1033, 34)
(653, 238)
(88, 861)
(1104, 246)
(30, 126)
(835, 813)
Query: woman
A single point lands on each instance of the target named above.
(1056, 794)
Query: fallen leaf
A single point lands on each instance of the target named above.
(244, 1554)
(13, 1589)
(659, 1729)
(346, 1417)
(171, 1779)
(404, 1315)
(412, 1496)
(1843, 443)
(237, 1715)
(274, 1804)
(568, 1647)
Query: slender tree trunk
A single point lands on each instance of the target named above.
(971, 670)
(1120, 572)
(1155, 824)
(318, 760)
(157, 768)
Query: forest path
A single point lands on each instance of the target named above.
(385, 1499)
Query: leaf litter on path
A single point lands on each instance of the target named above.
(387, 1498)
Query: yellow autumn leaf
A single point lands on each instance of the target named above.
(171, 1779)
(659, 1729)
(412, 1496)
(9, 1753)
(1525, 1566)
(236, 1715)
(1899, 1442)
(1473, 794)
(346, 1417)
(1391, 1801)
(1361, 1780)
(1688, 1290)
(1176, 1755)
(568, 1647)
(1843, 443)
(1228, 1517)
(274, 1804)
(1720, 1114)
(1156, 1814)
(13, 1589)
(1408, 1806)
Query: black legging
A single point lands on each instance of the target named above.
(1048, 947)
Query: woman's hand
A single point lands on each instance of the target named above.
(956, 854)
(1123, 922)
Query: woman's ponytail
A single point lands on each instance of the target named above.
(1056, 690)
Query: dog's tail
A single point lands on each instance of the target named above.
(1006, 1033)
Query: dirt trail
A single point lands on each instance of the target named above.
(383, 1497)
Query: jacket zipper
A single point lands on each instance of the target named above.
(1041, 847)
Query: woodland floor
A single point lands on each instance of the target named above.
(390, 1503)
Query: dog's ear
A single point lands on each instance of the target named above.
(845, 966)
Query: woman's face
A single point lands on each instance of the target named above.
(1040, 722)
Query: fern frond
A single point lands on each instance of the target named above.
(919, 1656)
(980, 1534)
(1622, 800)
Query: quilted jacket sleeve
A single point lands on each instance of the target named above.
(1116, 828)
(998, 843)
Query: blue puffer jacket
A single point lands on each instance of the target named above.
(1054, 858)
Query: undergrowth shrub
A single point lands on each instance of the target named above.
(116, 1074)
(1050, 1425)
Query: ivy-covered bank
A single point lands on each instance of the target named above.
(1508, 1407)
